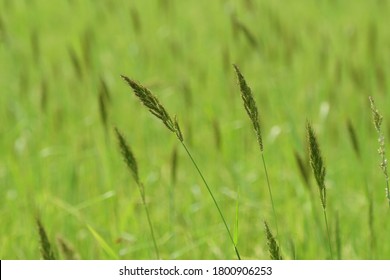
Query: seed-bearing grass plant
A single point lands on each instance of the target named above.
(45, 244)
(251, 109)
(273, 247)
(131, 163)
(58, 156)
(151, 102)
(319, 171)
(381, 150)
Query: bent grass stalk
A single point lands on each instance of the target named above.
(251, 109)
(151, 102)
(131, 163)
(381, 150)
(319, 171)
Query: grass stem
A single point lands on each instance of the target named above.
(131, 163)
(328, 233)
(140, 187)
(213, 198)
(270, 194)
(157, 109)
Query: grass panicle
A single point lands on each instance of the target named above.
(251, 109)
(319, 171)
(375, 114)
(317, 163)
(381, 150)
(273, 247)
(154, 106)
(250, 106)
(128, 155)
(131, 163)
(46, 247)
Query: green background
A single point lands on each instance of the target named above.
(60, 64)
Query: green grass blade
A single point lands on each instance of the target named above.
(103, 244)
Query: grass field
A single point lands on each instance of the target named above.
(62, 95)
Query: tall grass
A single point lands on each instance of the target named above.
(319, 171)
(131, 163)
(55, 124)
(381, 150)
(151, 102)
(273, 247)
(251, 108)
(45, 244)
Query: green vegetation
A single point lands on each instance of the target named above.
(62, 96)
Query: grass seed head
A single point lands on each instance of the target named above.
(381, 150)
(250, 105)
(46, 249)
(273, 247)
(151, 102)
(375, 114)
(128, 156)
(316, 162)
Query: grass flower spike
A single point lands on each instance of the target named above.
(131, 163)
(251, 109)
(381, 150)
(318, 167)
(154, 106)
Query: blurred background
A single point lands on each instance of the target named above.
(61, 96)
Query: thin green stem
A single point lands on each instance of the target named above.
(214, 200)
(270, 194)
(140, 188)
(327, 230)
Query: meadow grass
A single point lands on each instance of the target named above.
(154, 106)
(273, 247)
(251, 109)
(131, 163)
(61, 97)
(46, 247)
(381, 150)
(319, 171)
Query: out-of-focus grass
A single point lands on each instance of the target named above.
(312, 60)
